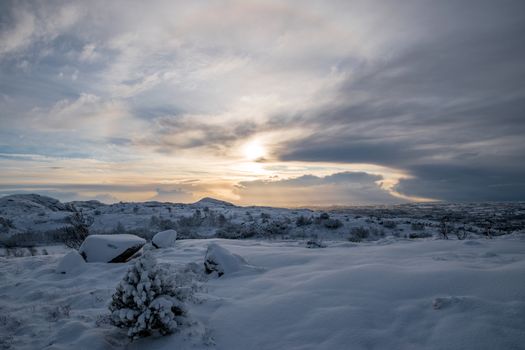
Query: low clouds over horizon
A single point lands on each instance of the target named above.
(423, 99)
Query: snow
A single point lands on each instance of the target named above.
(105, 248)
(72, 262)
(165, 239)
(393, 286)
(387, 294)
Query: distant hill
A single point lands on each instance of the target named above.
(212, 201)
(32, 203)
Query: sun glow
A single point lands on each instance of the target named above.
(254, 150)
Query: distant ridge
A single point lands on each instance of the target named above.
(32, 201)
(213, 201)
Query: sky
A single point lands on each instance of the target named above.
(284, 103)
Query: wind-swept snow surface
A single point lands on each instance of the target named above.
(427, 294)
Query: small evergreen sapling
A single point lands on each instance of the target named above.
(145, 302)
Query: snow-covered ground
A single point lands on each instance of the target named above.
(386, 294)
(33, 220)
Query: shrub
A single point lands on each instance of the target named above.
(303, 221)
(417, 226)
(265, 217)
(332, 223)
(315, 243)
(119, 229)
(358, 234)
(324, 216)
(75, 234)
(461, 233)
(389, 224)
(445, 227)
(419, 234)
(195, 220)
(145, 302)
(161, 224)
(6, 224)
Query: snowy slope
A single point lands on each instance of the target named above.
(426, 294)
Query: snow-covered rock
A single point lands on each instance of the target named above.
(222, 261)
(110, 248)
(164, 239)
(72, 262)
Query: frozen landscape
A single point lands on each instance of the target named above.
(262, 175)
(345, 278)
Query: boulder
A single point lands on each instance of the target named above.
(70, 263)
(222, 261)
(164, 239)
(110, 248)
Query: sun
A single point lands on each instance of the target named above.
(254, 150)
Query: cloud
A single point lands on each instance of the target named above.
(171, 134)
(109, 193)
(414, 86)
(347, 188)
(176, 195)
(30, 23)
(87, 113)
(463, 183)
(443, 109)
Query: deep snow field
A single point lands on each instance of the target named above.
(386, 294)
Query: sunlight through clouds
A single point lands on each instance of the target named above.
(239, 97)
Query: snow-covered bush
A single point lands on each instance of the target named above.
(146, 302)
(417, 226)
(358, 234)
(332, 223)
(389, 224)
(6, 224)
(419, 234)
(78, 230)
(303, 221)
(324, 216)
(315, 243)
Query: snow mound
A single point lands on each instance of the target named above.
(70, 263)
(110, 248)
(222, 261)
(164, 239)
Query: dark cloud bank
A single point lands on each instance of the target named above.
(449, 109)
